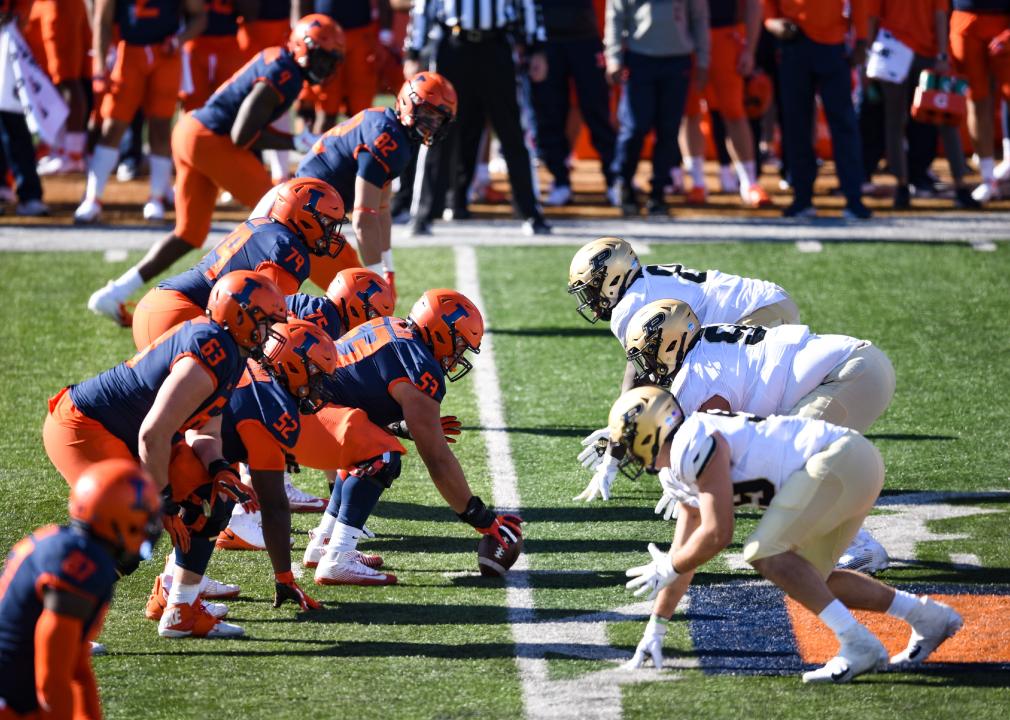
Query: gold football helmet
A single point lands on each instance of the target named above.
(658, 337)
(642, 420)
(600, 273)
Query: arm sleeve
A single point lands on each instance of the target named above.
(264, 451)
(57, 647)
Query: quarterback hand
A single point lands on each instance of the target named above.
(602, 480)
(653, 577)
(285, 588)
(228, 485)
(651, 644)
(506, 529)
(304, 141)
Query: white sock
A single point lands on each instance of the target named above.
(326, 524)
(387, 260)
(280, 164)
(837, 617)
(1006, 149)
(376, 267)
(482, 175)
(747, 172)
(183, 594)
(985, 166)
(128, 282)
(903, 604)
(343, 539)
(169, 565)
(103, 162)
(76, 144)
(161, 176)
(697, 171)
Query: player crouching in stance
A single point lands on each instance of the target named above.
(56, 588)
(817, 481)
(394, 370)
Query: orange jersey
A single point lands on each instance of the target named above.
(913, 22)
(823, 21)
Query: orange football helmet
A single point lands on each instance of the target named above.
(300, 356)
(246, 304)
(115, 500)
(426, 105)
(314, 211)
(318, 45)
(449, 325)
(359, 295)
(757, 95)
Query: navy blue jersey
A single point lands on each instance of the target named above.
(349, 14)
(222, 20)
(372, 145)
(120, 398)
(318, 310)
(58, 557)
(147, 22)
(275, 10)
(253, 245)
(274, 66)
(375, 356)
(260, 423)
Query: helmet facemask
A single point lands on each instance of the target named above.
(331, 240)
(458, 359)
(318, 63)
(589, 296)
(427, 124)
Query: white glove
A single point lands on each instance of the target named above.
(674, 492)
(590, 457)
(652, 577)
(651, 644)
(304, 141)
(602, 480)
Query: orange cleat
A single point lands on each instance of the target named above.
(157, 601)
(697, 195)
(181, 620)
(757, 198)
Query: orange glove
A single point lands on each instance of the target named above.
(285, 588)
(229, 486)
(451, 427)
(176, 530)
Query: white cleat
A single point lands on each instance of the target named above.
(560, 195)
(211, 589)
(861, 652)
(932, 622)
(88, 212)
(316, 548)
(986, 192)
(1001, 173)
(154, 211)
(244, 532)
(60, 165)
(347, 568)
(302, 502)
(105, 301)
(864, 555)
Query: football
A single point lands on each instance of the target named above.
(495, 560)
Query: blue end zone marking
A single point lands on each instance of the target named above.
(742, 628)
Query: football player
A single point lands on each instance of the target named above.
(145, 76)
(611, 284)
(816, 481)
(356, 295)
(213, 149)
(56, 588)
(765, 371)
(394, 371)
(259, 427)
(212, 57)
(302, 226)
(182, 380)
(362, 156)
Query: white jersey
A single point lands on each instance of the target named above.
(714, 296)
(762, 371)
(763, 452)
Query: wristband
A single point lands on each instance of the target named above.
(218, 465)
(284, 578)
(365, 210)
(477, 514)
(659, 619)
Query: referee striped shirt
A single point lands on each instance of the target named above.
(523, 17)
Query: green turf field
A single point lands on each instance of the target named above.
(440, 644)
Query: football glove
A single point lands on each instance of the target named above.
(304, 141)
(674, 493)
(653, 577)
(594, 446)
(651, 644)
(285, 588)
(451, 427)
(176, 530)
(506, 528)
(602, 480)
(228, 486)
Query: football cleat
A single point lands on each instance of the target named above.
(348, 569)
(697, 195)
(60, 165)
(756, 197)
(558, 196)
(986, 192)
(88, 212)
(864, 555)
(302, 502)
(31, 208)
(105, 301)
(154, 210)
(932, 622)
(244, 532)
(181, 620)
(157, 601)
(316, 549)
(211, 589)
(861, 652)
